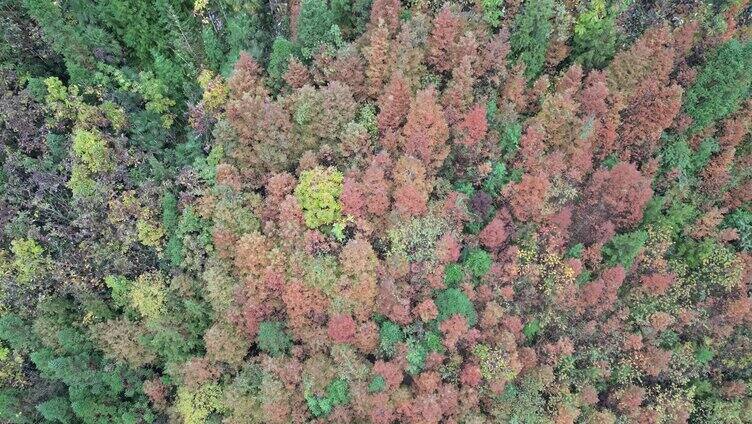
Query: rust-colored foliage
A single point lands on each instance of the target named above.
(528, 197)
(246, 78)
(381, 212)
(426, 132)
(652, 109)
(442, 43)
(379, 59)
(394, 104)
(411, 188)
(473, 126)
(618, 195)
(341, 328)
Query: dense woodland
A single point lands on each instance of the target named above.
(375, 211)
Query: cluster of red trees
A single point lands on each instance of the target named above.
(578, 279)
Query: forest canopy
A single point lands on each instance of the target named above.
(375, 211)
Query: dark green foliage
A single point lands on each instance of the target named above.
(452, 302)
(493, 11)
(10, 408)
(509, 139)
(496, 180)
(623, 248)
(351, 16)
(171, 345)
(678, 155)
(465, 187)
(478, 262)
(189, 224)
(282, 51)
(272, 338)
(249, 32)
(453, 275)
(722, 84)
(106, 392)
(314, 26)
(418, 350)
(56, 410)
(16, 333)
(595, 36)
(389, 335)
(169, 212)
(741, 220)
(337, 393)
(416, 356)
(675, 217)
(610, 161)
(23, 48)
(530, 36)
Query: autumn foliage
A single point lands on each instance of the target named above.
(499, 211)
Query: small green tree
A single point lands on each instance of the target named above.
(530, 37)
(453, 275)
(195, 406)
(272, 338)
(29, 259)
(282, 51)
(478, 262)
(452, 302)
(496, 180)
(595, 36)
(91, 149)
(56, 409)
(314, 26)
(377, 384)
(337, 393)
(741, 220)
(318, 193)
(148, 295)
(120, 289)
(721, 85)
(493, 11)
(389, 335)
(623, 248)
